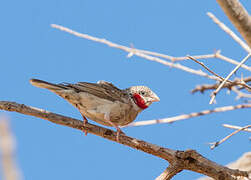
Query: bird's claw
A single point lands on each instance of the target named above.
(84, 124)
(118, 133)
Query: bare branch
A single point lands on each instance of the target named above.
(217, 54)
(235, 127)
(133, 51)
(169, 172)
(202, 88)
(229, 75)
(232, 61)
(7, 147)
(215, 144)
(209, 70)
(238, 16)
(189, 160)
(241, 83)
(174, 59)
(243, 163)
(145, 54)
(187, 116)
(240, 94)
(163, 153)
(229, 32)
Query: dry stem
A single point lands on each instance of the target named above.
(191, 115)
(229, 32)
(241, 83)
(217, 54)
(133, 51)
(202, 88)
(238, 15)
(235, 127)
(215, 144)
(202, 64)
(225, 80)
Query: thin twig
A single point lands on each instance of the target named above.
(240, 94)
(217, 54)
(225, 80)
(195, 60)
(155, 54)
(205, 56)
(221, 78)
(238, 16)
(215, 144)
(232, 61)
(204, 87)
(133, 51)
(229, 32)
(174, 59)
(235, 127)
(191, 115)
(143, 53)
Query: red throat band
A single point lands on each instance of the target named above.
(139, 101)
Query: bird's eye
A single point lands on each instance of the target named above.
(142, 93)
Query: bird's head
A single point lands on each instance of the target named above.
(143, 96)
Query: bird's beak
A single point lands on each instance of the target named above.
(155, 98)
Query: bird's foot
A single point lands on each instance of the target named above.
(84, 123)
(118, 133)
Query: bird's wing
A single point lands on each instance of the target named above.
(108, 85)
(102, 89)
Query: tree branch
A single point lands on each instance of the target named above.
(243, 163)
(163, 153)
(133, 51)
(232, 61)
(169, 172)
(229, 32)
(236, 127)
(240, 94)
(202, 88)
(241, 83)
(215, 144)
(228, 76)
(187, 116)
(217, 54)
(189, 160)
(238, 16)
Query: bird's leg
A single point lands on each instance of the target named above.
(107, 118)
(84, 123)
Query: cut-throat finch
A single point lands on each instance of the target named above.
(103, 102)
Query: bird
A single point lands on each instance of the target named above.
(103, 102)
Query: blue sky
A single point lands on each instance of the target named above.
(30, 48)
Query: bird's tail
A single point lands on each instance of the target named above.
(47, 85)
